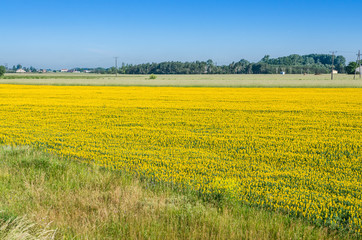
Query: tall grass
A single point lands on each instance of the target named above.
(87, 202)
(21, 228)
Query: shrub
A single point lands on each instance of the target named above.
(2, 71)
(153, 76)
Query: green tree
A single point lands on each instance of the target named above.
(32, 69)
(265, 59)
(351, 68)
(2, 71)
(111, 70)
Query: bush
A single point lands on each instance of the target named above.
(2, 71)
(351, 68)
(153, 76)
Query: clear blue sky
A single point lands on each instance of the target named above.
(65, 34)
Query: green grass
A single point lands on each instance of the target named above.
(82, 201)
(235, 80)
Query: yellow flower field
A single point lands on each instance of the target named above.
(295, 150)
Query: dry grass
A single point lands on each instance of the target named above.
(87, 202)
(21, 228)
(235, 80)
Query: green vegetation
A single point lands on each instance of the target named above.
(2, 71)
(293, 64)
(153, 76)
(351, 68)
(86, 202)
(49, 76)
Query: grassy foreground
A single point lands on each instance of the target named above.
(45, 197)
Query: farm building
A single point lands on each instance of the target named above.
(64, 70)
(20, 71)
(359, 70)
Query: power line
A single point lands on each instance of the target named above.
(359, 58)
(345, 51)
(358, 63)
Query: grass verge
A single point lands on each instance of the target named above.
(87, 202)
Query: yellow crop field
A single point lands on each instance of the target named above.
(295, 150)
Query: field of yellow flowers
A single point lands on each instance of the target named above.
(288, 149)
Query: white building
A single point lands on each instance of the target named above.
(64, 70)
(20, 71)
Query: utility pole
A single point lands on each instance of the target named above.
(332, 64)
(115, 65)
(359, 60)
(358, 63)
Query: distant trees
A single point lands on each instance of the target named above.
(265, 59)
(2, 71)
(32, 69)
(293, 64)
(17, 67)
(314, 63)
(100, 70)
(111, 70)
(351, 68)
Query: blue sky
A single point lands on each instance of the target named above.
(66, 34)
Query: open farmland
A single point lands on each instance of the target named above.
(205, 80)
(295, 150)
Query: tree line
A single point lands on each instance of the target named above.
(293, 64)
